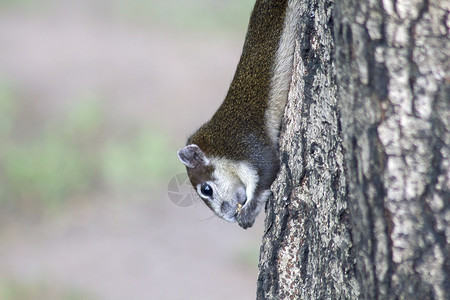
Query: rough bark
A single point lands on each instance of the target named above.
(361, 207)
(307, 243)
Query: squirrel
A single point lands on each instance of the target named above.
(232, 159)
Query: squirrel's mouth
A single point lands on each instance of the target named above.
(239, 207)
(241, 200)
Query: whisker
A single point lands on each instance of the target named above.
(207, 220)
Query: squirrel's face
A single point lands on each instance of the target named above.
(223, 185)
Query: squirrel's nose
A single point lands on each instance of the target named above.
(225, 207)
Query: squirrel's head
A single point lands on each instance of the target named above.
(224, 185)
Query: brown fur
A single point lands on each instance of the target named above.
(241, 117)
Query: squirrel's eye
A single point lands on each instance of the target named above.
(206, 190)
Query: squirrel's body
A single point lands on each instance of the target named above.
(233, 157)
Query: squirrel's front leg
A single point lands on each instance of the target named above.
(247, 214)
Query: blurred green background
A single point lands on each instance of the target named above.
(96, 96)
(74, 154)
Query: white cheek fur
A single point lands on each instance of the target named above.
(229, 175)
(249, 178)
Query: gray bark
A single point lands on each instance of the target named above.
(361, 206)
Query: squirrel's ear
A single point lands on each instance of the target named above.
(192, 155)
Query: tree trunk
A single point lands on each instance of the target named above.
(361, 206)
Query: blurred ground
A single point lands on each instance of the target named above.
(95, 99)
